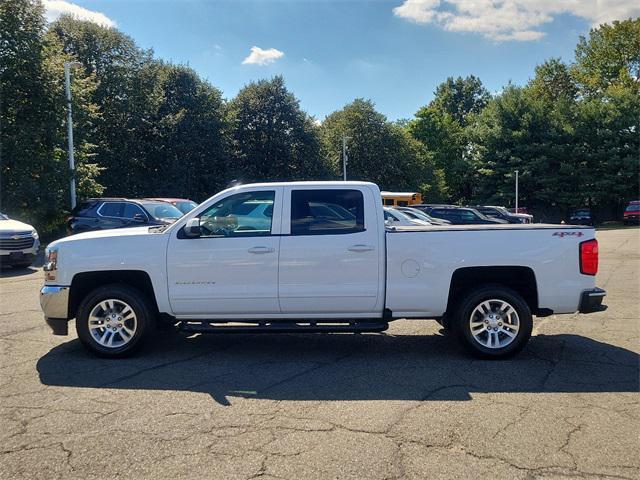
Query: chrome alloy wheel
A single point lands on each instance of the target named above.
(494, 323)
(112, 323)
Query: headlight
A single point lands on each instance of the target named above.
(50, 263)
(34, 234)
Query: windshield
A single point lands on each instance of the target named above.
(417, 214)
(633, 208)
(185, 206)
(399, 215)
(162, 210)
(3, 216)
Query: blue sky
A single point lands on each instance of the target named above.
(331, 52)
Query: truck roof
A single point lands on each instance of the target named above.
(333, 183)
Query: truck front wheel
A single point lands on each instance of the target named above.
(493, 322)
(112, 320)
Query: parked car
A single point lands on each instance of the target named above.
(395, 218)
(581, 216)
(107, 213)
(462, 215)
(19, 243)
(420, 215)
(502, 213)
(310, 273)
(632, 213)
(183, 204)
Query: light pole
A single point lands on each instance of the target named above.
(344, 157)
(72, 167)
(517, 191)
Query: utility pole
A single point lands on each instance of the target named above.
(344, 158)
(517, 191)
(72, 167)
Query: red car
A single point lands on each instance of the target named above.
(632, 213)
(183, 204)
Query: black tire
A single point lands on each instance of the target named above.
(22, 265)
(131, 296)
(474, 298)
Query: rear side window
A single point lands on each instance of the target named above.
(326, 212)
(83, 209)
(112, 209)
(442, 213)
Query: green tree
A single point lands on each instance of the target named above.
(607, 143)
(609, 56)
(161, 128)
(271, 137)
(519, 131)
(553, 82)
(445, 140)
(189, 154)
(460, 98)
(127, 95)
(441, 127)
(378, 151)
(34, 169)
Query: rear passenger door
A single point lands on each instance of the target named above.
(330, 257)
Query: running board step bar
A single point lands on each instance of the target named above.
(197, 326)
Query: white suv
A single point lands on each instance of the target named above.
(19, 242)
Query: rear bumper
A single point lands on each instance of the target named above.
(54, 302)
(591, 301)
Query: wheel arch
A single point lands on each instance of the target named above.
(85, 282)
(519, 278)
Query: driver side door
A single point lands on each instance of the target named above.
(231, 270)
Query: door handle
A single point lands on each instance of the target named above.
(259, 250)
(360, 248)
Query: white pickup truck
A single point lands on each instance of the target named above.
(315, 257)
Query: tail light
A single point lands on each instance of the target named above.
(589, 257)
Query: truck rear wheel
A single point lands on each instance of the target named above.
(493, 322)
(112, 320)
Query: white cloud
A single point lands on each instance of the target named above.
(503, 20)
(258, 56)
(55, 8)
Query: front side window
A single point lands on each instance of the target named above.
(467, 216)
(130, 211)
(322, 212)
(242, 214)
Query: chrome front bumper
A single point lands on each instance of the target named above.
(54, 301)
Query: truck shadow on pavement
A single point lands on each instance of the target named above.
(345, 367)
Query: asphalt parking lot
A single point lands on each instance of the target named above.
(405, 404)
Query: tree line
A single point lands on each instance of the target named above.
(144, 127)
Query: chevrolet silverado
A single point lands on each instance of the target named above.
(315, 257)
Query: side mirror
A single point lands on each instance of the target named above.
(192, 228)
(138, 217)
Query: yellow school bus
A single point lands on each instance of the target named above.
(401, 199)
